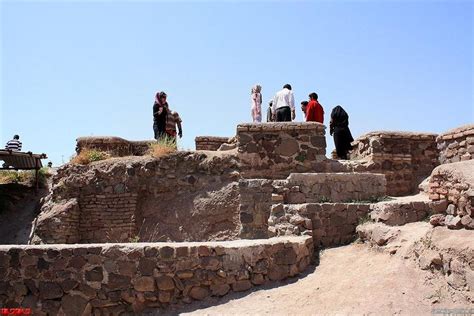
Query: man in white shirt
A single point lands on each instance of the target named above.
(284, 105)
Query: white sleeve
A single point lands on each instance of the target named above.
(292, 101)
(274, 104)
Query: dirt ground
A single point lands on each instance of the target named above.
(349, 280)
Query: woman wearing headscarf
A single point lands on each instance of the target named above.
(339, 126)
(256, 98)
(160, 112)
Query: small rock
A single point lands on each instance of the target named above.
(467, 222)
(165, 283)
(144, 284)
(199, 293)
(164, 297)
(430, 258)
(453, 222)
(451, 209)
(242, 285)
(437, 220)
(220, 289)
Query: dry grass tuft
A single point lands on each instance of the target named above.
(24, 177)
(164, 146)
(87, 156)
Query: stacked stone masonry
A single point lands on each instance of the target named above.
(456, 145)
(263, 214)
(453, 183)
(143, 197)
(274, 150)
(210, 142)
(107, 217)
(405, 158)
(137, 278)
(254, 209)
(115, 146)
(330, 187)
(330, 224)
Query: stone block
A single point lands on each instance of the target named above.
(117, 281)
(242, 285)
(50, 290)
(144, 284)
(199, 293)
(165, 283)
(219, 289)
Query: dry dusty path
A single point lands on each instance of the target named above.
(350, 280)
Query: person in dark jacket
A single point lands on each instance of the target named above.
(339, 128)
(160, 112)
(269, 112)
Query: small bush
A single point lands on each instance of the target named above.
(87, 156)
(164, 146)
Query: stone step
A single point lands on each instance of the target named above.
(406, 210)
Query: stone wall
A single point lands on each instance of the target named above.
(145, 198)
(405, 158)
(454, 183)
(138, 278)
(274, 150)
(456, 145)
(330, 224)
(108, 217)
(210, 142)
(330, 187)
(116, 146)
(254, 209)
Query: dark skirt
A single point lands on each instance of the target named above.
(342, 141)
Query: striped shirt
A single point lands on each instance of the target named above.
(13, 145)
(171, 120)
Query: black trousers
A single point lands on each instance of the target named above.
(283, 114)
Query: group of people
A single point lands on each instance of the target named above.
(282, 109)
(165, 120)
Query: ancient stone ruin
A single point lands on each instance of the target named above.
(135, 233)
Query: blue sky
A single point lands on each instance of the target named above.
(71, 69)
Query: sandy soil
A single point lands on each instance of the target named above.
(349, 280)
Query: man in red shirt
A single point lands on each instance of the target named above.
(314, 110)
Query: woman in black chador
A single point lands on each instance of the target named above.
(160, 110)
(339, 126)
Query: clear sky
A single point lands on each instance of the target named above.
(71, 68)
